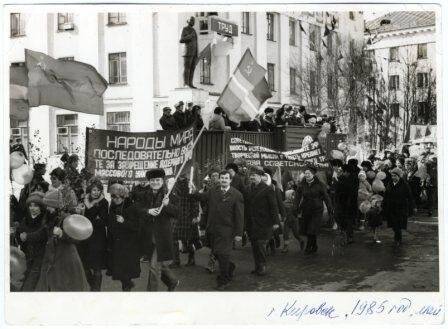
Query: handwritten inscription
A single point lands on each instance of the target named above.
(361, 308)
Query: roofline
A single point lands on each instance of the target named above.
(408, 29)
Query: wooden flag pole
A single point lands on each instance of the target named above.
(183, 165)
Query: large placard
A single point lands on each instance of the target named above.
(262, 156)
(128, 156)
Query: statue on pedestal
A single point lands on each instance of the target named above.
(190, 39)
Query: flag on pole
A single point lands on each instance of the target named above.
(301, 27)
(246, 90)
(18, 93)
(327, 31)
(68, 85)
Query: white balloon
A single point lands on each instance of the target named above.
(16, 159)
(23, 175)
(77, 227)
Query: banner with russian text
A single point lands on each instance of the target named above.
(128, 156)
(256, 155)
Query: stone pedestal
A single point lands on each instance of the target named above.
(197, 96)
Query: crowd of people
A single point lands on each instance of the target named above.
(234, 203)
(286, 115)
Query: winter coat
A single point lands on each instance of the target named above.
(93, 250)
(397, 204)
(237, 182)
(267, 124)
(346, 197)
(225, 217)
(261, 211)
(75, 182)
(62, 268)
(184, 229)
(156, 229)
(414, 183)
(168, 123)
(179, 117)
(124, 260)
(33, 247)
(309, 201)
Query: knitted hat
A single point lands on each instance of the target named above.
(155, 173)
(59, 173)
(232, 166)
(53, 199)
(120, 190)
(35, 197)
(256, 170)
(362, 173)
(397, 171)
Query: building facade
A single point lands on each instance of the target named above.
(139, 54)
(402, 48)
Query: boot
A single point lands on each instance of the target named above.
(191, 261)
(96, 281)
(169, 279)
(262, 270)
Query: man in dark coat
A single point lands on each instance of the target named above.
(262, 217)
(179, 115)
(346, 200)
(267, 120)
(190, 39)
(167, 121)
(397, 204)
(155, 213)
(224, 224)
(237, 181)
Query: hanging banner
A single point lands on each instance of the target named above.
(128, 156)
(262, 156)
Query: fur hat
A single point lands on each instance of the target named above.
(256, 170)
(155, 173)
(59, 173)
(53, 199)
(35, 197)
(397, 171)
(94, 182)
(120, 190)
(233, 166)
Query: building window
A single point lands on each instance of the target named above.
(203, 20)
(271, 76)
(205, 72)
(65, 22)
(313, 83)
(395, 110)
(67, 133)
(422, 51)
(119, 121)
(69, 58)
(18, 64)
(422, 80)
(117, 69)
(314, 37)
(270, 22)
(422, 112)
(351, 15)
(17, 25)
(393, 54)
(116, 18)
(245, 26)
(19, 133)
(292, 81)
(292, 32)
(394, 82)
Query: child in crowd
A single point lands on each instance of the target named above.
(375, 219)
(291, 223)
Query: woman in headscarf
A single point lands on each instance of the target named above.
(62, 268)
(124, 234)
(310, 196)
(93, 250)
(69, 201)
(32, 237)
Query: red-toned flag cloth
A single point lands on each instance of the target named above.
(69, 85)
(18, 93)
(246, 90)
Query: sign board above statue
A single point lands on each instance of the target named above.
(223, 27)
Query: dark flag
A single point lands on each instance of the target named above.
(333, 23)
(327, 31)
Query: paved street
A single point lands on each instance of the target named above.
(363, 266)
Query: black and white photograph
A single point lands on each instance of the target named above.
(158, 150)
